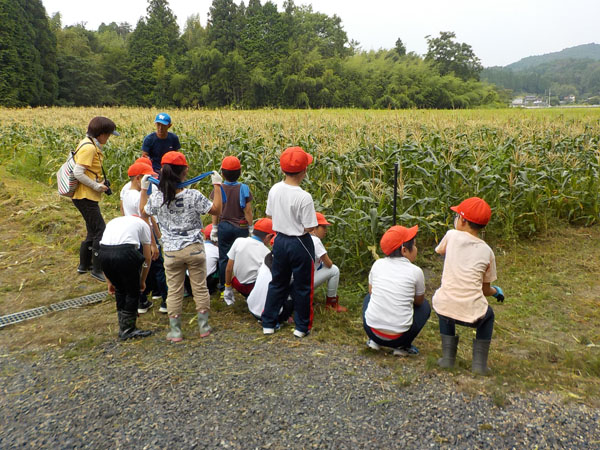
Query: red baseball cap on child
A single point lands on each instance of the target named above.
(321, 220)
(294, 159)
(140, 169)
(397, 235)
(231, 163)
(174, 158)
(475, 210)
(265, 225)
(143, 160)
(207, 231)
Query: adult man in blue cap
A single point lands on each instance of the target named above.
(160, 142)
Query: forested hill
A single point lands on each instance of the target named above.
(572, 72)
(250, 56)
(585, 51)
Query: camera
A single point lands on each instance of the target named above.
(109, 190)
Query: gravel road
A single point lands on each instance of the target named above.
(258, 392)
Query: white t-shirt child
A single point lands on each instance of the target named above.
(126, 230)
(212, 257)
(291, 208)
(248, 254)
(395, 282)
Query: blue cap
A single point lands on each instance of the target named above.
(163, 118)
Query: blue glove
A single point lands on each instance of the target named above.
(499, 295)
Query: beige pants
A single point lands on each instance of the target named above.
(193, 259)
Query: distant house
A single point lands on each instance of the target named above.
(517, 102)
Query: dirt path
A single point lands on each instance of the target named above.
(256, 392)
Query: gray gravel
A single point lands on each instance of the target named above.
(253, 392)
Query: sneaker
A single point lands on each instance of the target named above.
(268, 330)
(156, 297)
(374, 345)
(144, 307)
(406, 351)
(300, 334)
(163, 307)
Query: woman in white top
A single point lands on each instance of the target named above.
(395, 309)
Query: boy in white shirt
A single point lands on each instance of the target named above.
(130, 206)
(395, 310)
(469, 268)
(244, 259)
(325, 270)
(125, 268)
(294, 217)
(212, 261)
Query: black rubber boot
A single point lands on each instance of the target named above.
(127, 329)
(97, 267)
(449, 347)
(481, 349)
(85, 257)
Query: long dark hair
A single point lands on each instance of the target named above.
(170, 177)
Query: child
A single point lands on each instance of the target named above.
(127, 186)
(130, 206)
(245, 257)
(178, 212)
(236, 217)
(294, 217)
(469, 268)
(212, 261)
(325, 270)
(395, 310)
(156, 144)
(258, 297)
(126, 268)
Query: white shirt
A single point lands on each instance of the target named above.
(128, 187)
(395, 282)
(291, 208)
(126, 230)
(248, 253)
(258, 297)
(319, 251)
(469, 263)
(131, 202)
(212, 257)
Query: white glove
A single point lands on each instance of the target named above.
(228, 296)
(215, 178)
(251, 230)
(214, 234)
(145, 183)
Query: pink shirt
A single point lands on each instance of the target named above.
(469, 263)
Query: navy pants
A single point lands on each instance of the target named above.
(156, 282)
(122, 265)
(420, 317)
(292, 255)
(484, 326)
(227, 233)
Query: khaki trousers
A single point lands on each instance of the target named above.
(192, 258)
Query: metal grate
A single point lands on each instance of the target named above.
(10, 319)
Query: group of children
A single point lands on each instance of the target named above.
(277, 261)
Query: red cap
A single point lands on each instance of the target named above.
(321, 220)
(140, 169)
(231, 163)
(144, 160)
(397, 235)
(207, 231)
(475, 210)
(174, 158)
(294, 159)
(265, 225)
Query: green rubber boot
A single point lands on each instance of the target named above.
(203, 325)
(449, 347)
(481, 349)
(175, 334)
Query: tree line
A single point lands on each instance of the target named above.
(247, 56)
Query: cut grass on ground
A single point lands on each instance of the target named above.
(546, 335)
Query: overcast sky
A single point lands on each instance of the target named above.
(500, 31)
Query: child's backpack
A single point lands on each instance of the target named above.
(65, 179)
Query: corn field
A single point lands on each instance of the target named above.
(532, 167)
